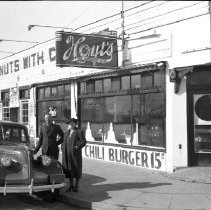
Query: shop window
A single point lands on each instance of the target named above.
(67, 90)
(90, 86)
(159, 79)
(125, 81)
(83, 87)
(115, 84)
(135, 119)
(146, 81)
(136, 81)
(24, 94)
(25, 112)
(47, 92)
(98, 86)
(107, 85)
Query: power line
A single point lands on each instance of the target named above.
(6, 52)
(112, 15)
(147, 9)
(169, 23)
(125, 16)
(78, 16)
(160, 15)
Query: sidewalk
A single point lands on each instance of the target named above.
(111, 186)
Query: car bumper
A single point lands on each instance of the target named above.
(31, 188)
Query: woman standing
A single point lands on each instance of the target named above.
(74, 141)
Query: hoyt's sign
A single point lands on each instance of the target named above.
(29, 61)
(134, 157)
(73, 49)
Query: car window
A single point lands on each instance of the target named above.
(14, 134)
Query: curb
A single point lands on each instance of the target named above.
(74, 201)
(87, 204)
(185, 180)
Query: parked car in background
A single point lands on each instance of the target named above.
(19, 171)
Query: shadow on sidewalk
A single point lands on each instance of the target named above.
(97, 189)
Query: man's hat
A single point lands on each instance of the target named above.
(72, 120)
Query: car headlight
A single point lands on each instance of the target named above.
(6, 161)
(46, 161)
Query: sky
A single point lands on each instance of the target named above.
(15, 16)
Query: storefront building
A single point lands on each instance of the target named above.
(153, 112)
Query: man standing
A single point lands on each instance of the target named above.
(74, 141)
(48, 138)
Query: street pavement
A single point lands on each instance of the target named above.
(106, 185)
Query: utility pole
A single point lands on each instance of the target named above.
(123, 34)
(210, 25)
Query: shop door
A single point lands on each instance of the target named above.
(14, 114)
(202, 129)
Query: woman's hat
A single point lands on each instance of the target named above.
(72, 120)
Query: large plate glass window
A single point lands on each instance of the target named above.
(132, 117)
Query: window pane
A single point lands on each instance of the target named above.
(122, 107)
(88, 109)
(59, 109)
(60, 91)
(41, 93)
(82, 87)
(148, 119)
(98, 86)
(90, 86)
(67, 89)
(53, 92)
(107, 84)
(159, 79)
(115, 84)
(146, 81)
(5, 95)
(136, 81)
(123, 133)
(109, 109)
(126, 83)
(47, 92)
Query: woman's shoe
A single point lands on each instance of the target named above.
(70, 189)
(75, 189)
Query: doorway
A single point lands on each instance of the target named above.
(14, 114)
(202, 129)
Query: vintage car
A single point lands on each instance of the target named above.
(20, 172)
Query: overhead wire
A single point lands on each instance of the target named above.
(82, 13)
(166, 13)
(125, 16)
(158, 26)
(97, 21)
(134, 23)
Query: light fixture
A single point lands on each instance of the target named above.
(32, 26)
(11, 40)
